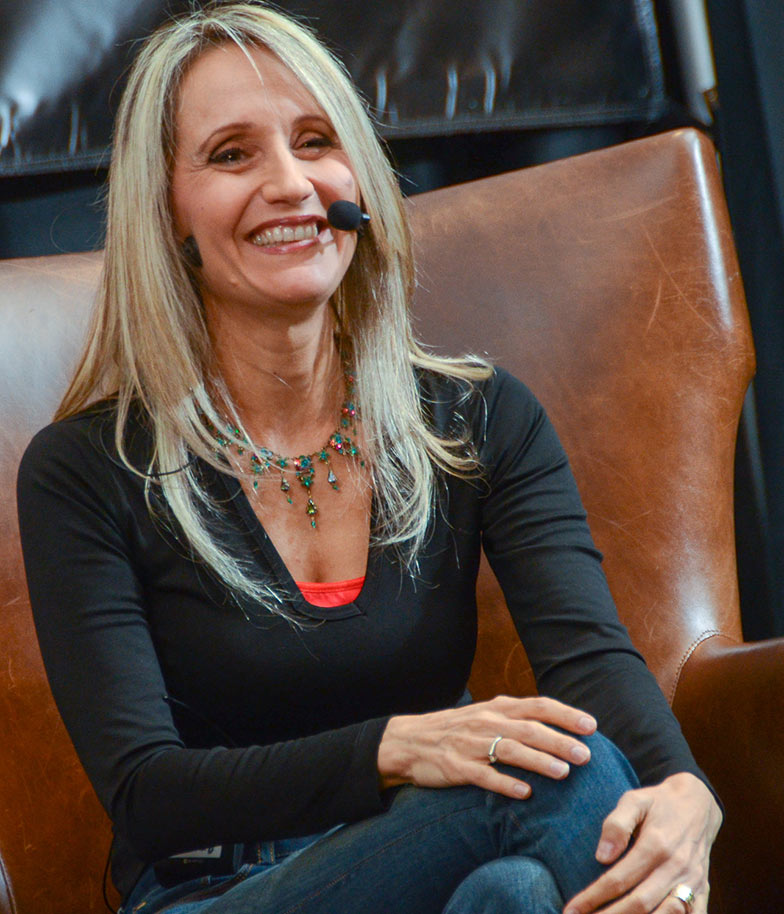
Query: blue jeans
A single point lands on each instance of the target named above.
(458, 850)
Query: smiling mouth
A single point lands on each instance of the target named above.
(283, 234)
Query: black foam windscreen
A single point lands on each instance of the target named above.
(346, 216)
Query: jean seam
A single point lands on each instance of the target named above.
(210, 892)
(523, 829)
(408, 835)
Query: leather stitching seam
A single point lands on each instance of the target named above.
(710, 633)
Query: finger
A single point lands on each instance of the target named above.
(701, 900)
(673, 905)
(511, 752)
(629, 900)
(646, 874)
(651, 895)
(489, 778)
(544, 738)
(614, 892)
(621, 824)
(547, 710)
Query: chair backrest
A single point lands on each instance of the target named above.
(54, 837)
(608, 283)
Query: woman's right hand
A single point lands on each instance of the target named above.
(449, 748)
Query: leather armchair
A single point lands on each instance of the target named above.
(608, 282)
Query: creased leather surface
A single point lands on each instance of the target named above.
(425, 66)
(54, 837)
(608, 283)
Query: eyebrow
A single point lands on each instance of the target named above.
(241, 126)
(236, 126)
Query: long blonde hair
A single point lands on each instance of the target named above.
(148, 343)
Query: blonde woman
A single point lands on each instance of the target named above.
(252, 536)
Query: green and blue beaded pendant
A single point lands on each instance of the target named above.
(342, 441)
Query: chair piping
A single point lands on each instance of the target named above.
(705, 636)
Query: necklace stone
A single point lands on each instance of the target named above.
(342, 441)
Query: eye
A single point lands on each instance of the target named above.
(232, 155)
(315, 143)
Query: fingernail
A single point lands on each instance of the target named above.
(586, 724)
(571, 911)
(559, 769)
(580, 753)
(522, 790)
(605, 850)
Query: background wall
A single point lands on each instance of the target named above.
(460, 88)
(748, 37)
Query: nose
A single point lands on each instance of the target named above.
(285, 178)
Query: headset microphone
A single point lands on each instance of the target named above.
(347, 216)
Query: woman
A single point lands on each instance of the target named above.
(252, 561)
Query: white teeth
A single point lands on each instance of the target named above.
(283, 233)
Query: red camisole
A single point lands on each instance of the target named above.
(332, 593)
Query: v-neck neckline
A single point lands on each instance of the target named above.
(281, 571)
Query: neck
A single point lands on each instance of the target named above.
(285, 378)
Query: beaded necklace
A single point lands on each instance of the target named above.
(304, 466)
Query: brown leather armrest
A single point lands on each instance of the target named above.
(730, 702)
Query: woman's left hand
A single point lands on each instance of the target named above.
(674, 825)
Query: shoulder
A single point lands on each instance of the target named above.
(500, 402)
(75, 436)
(82, 444)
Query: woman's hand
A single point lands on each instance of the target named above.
(673, 826)
(450, 748)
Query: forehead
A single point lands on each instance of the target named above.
(223, 84)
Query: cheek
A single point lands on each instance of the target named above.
(344, 180)
(187, 203)
(351, 185)
(198, 206)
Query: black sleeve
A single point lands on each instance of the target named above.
(81, 540)
(537, 541)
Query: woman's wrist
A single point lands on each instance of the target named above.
(393, 756)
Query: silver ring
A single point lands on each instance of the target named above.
(491, 751)
(684, 893)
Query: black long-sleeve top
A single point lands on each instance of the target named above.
(198, 728)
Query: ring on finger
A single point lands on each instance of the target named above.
(491, 751)
(684, 893)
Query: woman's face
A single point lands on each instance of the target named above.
(256, 166)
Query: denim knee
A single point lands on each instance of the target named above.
(560, 823)
(607, 774)
(506, 885)
(603, 778)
